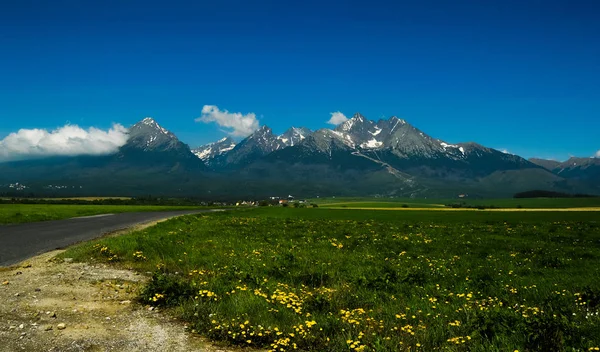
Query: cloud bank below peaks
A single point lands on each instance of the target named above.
(337, 118)
(235, 123)
(69, 140)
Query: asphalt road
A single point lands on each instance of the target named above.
(21, 241)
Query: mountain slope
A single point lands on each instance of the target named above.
(582, 171)
(579, 168)
(546, 164)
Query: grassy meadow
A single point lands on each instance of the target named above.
(350, 280)
(526, 203)
(22, 213)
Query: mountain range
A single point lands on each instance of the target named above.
(359, 157)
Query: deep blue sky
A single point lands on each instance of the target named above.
(520, 75)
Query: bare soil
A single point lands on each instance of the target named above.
(55, 305)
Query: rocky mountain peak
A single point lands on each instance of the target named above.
(395, 120)
(357, 122)
(151, 143)
(147, 134)
(149, 124)
(263, 130)
(263, 138)
(294, 135)
(358, 116)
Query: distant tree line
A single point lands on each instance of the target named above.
(469, 206)
(274, 202)
(147, 200)
(17, 194)
(549, 194)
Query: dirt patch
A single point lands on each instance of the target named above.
(51, 305)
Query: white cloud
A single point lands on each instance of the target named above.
(337, 118)
(505, 151)
(69, 140)
(239, 125)
(598, 154)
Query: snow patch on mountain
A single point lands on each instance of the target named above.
(345, 138)
(203, 154)
(446, 145)
(212, 150)
(377, 131)
(371, 144)
(347, 126)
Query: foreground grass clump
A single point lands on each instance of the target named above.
(359, 285)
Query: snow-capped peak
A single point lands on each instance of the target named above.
(209, 151)
(150, 122)
(149, 135)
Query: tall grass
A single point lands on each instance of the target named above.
(321, 284)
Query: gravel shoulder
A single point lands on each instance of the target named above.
(56, 305)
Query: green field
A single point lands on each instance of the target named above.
(379, 204)
(397, 201)
(349, 280)
(22, 213)
(426, 216)
(552, 203)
